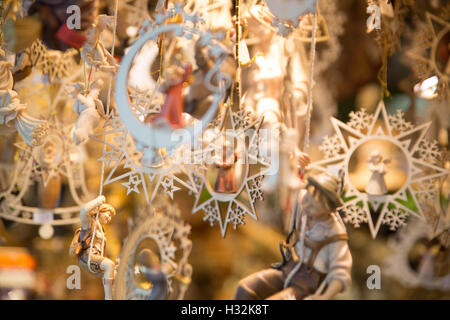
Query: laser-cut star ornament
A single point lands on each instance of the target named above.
(241, 202)
(392, 208)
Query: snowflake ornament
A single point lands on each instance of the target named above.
(415, 168)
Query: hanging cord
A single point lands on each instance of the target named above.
(108, 98)
(301, 253)
(312, 56)
(100, 192)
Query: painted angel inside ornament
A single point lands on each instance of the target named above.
(226, 177)
(377, 184)
(89, 242)
(89, 108)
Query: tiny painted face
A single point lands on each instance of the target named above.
(104, 217)
(313, 205)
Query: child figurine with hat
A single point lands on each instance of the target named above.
(316, 257)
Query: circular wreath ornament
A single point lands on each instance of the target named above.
(159, 224)
(414, 168)
(398, 265)
(149, 137)
(288, 12)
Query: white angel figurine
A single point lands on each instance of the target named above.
(376, 184)
(94, 53)
(89, 107)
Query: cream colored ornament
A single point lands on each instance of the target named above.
(121, 153)
(58, 157)
(88, 107)
(13, 113)
(94, 52)
(159, 223)
(410, 179)
(239, 201)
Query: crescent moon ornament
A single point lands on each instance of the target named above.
(150, 138)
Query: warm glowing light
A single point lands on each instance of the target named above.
(427, 89)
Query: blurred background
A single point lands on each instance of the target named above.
(32, 267)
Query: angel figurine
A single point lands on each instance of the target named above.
(89, 242)
(89, 108)
(376, 184)
(94, 53)
(172, 109)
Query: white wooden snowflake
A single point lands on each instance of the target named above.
(360, 119)
(429, 151)
(331, 146)
(395, 219)
(420, 169)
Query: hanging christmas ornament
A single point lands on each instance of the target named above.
(13, 113)
(121, 153)
(153, 262)
(387, 21)
(431, 54)
(157, 134)
(57, 160)
(418, 261)
(379, 191)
